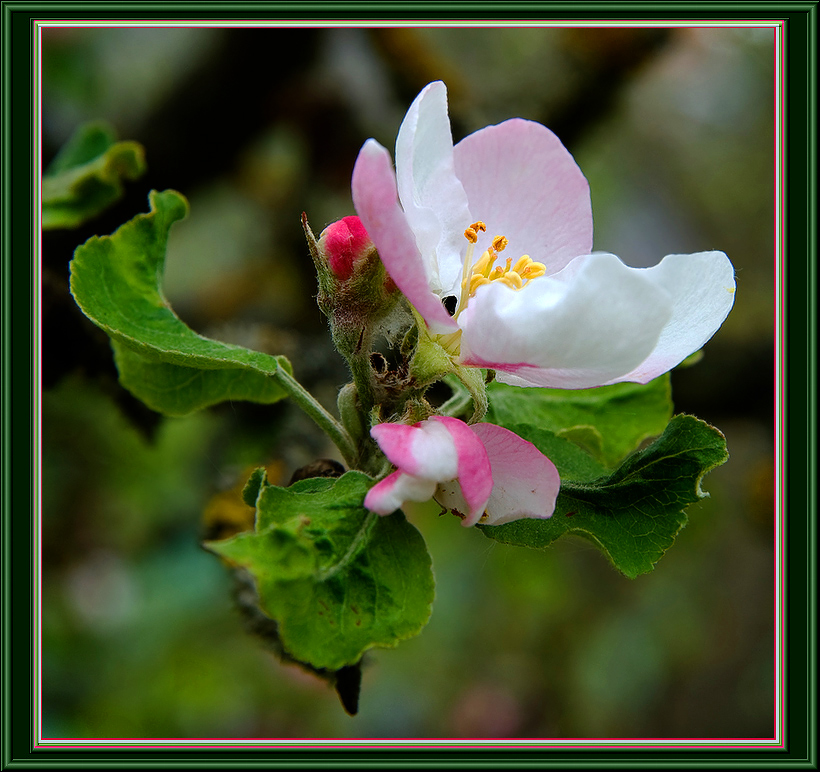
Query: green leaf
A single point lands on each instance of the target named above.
(116, 281)
(175, 390)
(632, 514)
(254, 486)
(337, 579)
(609, 421)
(87, 174)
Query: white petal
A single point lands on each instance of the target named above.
(584, 326)
(433, 199)
(390, 494)
(427, 449)
(702, 287)
(524, 184)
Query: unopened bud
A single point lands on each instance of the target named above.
(355, 292)
(344, 244)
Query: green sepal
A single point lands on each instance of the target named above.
(86, 176)
(431, 361)
(116, 281)
(632, 514)
(337, 579)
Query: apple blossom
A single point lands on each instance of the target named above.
(554, 313)
(484, 473)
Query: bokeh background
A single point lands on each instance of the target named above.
(140, 634)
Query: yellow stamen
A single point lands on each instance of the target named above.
(533, 271)
(483, 264)
(512, 279)
(482, 271)
(522, 263)
(476, 281)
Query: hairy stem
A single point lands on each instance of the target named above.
(324, 420)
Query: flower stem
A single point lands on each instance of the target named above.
(362, 374)
(472, 380)
(324, 420)
(461, 399)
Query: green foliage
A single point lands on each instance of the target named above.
(86, 176)
(632, 514)
(337, 579)
(116, 281)
(176, 390)
(609, 421)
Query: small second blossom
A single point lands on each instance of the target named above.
(483, 473)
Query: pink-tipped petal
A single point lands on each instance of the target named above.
(524, 184)
(591, 322)
(426, 450)
(376, 202)
(702, 287)
(474, 472)
(431, 195)
(390, 494)
(525, 481)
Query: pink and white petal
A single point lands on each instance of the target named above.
(525, 481)
(425, 450)
(702, 286)
(524, 184)
(433, 199)
(474, 471)
(390, 494)
(376, 202)
(586, 325)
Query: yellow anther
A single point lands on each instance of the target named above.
(512, 279)
(522, 263)
(483, 271)
(476, 281)
(483, 264)
(533, 271)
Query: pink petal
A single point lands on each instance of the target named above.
(376, 202)
(425, 450)
(702, 287)
(525, 481)
(474, 471)
(390, 494)
(592, 322)
(524, 184)
(431, 195)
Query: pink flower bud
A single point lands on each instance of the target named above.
(343, 244)
(355, 292)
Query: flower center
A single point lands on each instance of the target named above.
(483, 270)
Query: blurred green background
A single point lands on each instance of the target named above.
(140, 635)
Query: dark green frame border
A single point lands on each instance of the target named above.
(18, 395)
